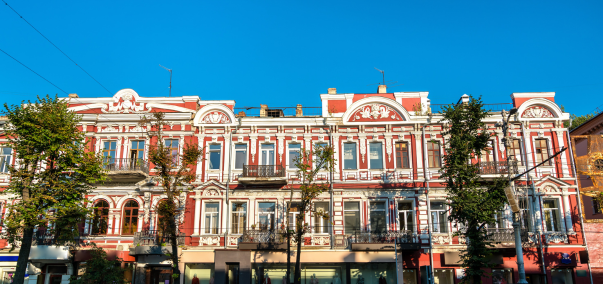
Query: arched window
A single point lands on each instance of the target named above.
(130, 223)
(100, 223)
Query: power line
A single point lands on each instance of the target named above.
(33, 71)
(56, 47)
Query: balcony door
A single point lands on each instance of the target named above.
(109, 153)
(267, 154)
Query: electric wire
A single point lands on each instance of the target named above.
(33, 71)
(55, 46)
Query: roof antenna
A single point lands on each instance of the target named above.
(169, 70)
(382, 73)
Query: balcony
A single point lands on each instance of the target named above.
(497, 168)
(384, 241)
(263, 240)
(46, 246)
(154, 242)
(505, 237)
(263, 175)
(126, 170)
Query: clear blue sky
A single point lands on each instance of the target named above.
(287, 52)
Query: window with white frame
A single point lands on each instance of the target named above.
(266, 215)
(515, 151)
(487, 154)
(550, 208)
(172, 145)
(240, 156)
(349, 156)
(294, 149)
(375, 155)
(137, 151)
(5, 158)
(267, 152)
(499, 220)
(321, 145)
(402, 157)
(351, 216)
(433, 154)
(239, 217)
(212, 214)
(406, 216)
(439, 217)
(294, 211)
(542, 150)
(377, 216)
(109, 153)
(321, 225)
(215, 151)
(524, 206)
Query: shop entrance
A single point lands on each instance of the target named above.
(232, 276)
(161, 275)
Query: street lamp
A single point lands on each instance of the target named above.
(510, 193)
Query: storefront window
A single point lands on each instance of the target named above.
(374, 273)
(324, 273)
(199, 273)
(443, 276)
(562, 276)
(502, 276)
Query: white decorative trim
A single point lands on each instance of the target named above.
(353, 108)
(212, 108)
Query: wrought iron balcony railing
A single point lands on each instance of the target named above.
(499, 167)
(263, 236)
(124, 164)
(263, 171)
(47, 238)
(383, 237)
(155, 238)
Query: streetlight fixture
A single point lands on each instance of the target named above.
(513, 202)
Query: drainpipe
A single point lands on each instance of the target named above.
(579, 199)
(228, 185)
(426, 176)
(331, 207)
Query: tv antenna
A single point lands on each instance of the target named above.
(382, 73)
(169, 70)
(391, 83)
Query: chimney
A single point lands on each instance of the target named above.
(332, 91)
(263, 109)
(73, 95)
(382, 89)
(241, 114)
(299, 111)
(465, 99)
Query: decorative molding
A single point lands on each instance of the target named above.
(440, 239)
(215, 117)
(375, 112)
(125, 102)
(556, 237)
(537, 112)
(209, 241)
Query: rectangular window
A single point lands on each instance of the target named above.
(349, 156)
(351, 217)
(266, 215)
(542, 150)
(562, 276)
(526, 220)
(487, 154)
(293, 155)
(215, 156)
(316, 146)
(211, 218)
(439, 217)
(444, 276)
(240, 156)
(502, 276)
(5, 157)
(137, 150)
(321, 225)
(375, 155)
(293, 215)
(551, 215)
(433, 154)
(515, 151)
(596, 206)
(267, 154)
(402, 155)
(377, 212)
(109, 153)
(499, 222)
(406, 216)
(239, 217)
(172, 144)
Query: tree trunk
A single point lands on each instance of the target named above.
(298, 257)
(23, 255)
(288, 274)
(174, 241)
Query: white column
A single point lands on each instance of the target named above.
(418, 151)
(566, 212)
(197, 198)
(110, 225)
(528, 142)
(117, 226)
(227, 163)
(335, 146)
(537, 216)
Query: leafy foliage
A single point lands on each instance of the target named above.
(52, 174)
(309, 164)
(175, 173)
(473, 202)
(100, 270)
(578, 120)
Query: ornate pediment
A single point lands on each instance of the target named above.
(375, 112)
(125, 102)
(215, 117)
(537, 112)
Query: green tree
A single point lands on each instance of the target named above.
(53, 173)
(175, 173)
(578, 120)
(473, 201)
(100, 270)
(308, 166)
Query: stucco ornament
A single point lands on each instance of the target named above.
(215, 117)
(125, 103)
(375, 111)
(537, 112)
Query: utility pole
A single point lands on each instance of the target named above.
(512, 199)
(169, 70)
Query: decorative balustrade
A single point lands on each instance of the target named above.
(496, 168)
(155, 238)
(47, 238)
(124, 164)
(263, 171)
(383, 240)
